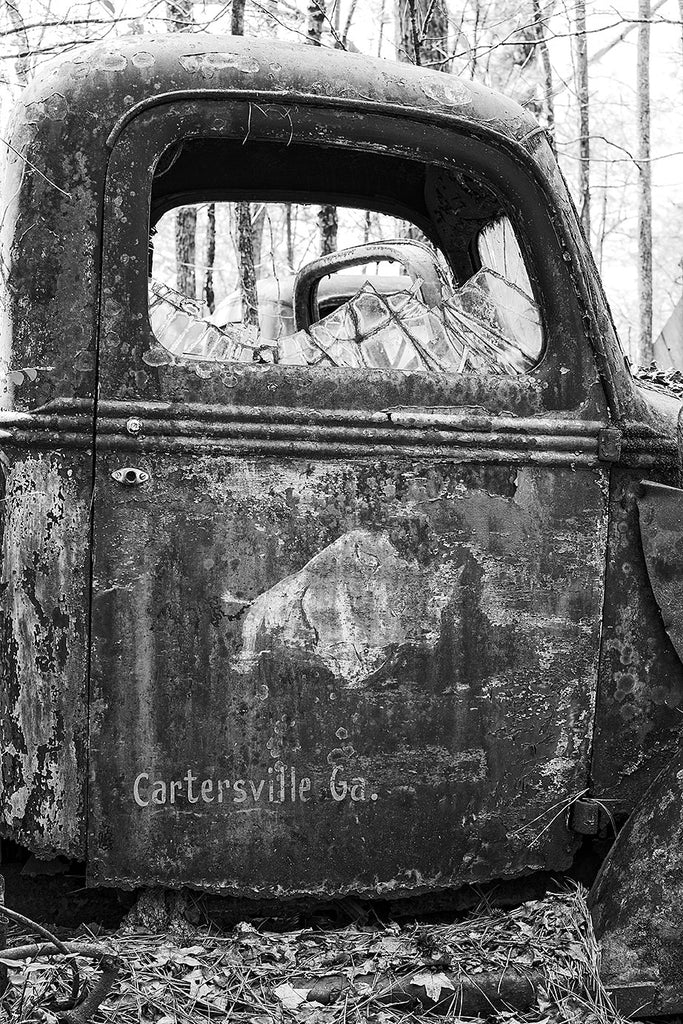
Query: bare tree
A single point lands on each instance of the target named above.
(243, 223)
(209, 294)
(548, 101)
(19, 26)
(328, 221)
(644, 184)
(245, 261)
(349, 19)
(237, 17)
(186, 250)
(180, 19)
(422, 33)
(599, 54)
(316, 18)
(289, 238)
(581, 48)
(328, 226)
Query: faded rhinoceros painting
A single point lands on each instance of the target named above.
(357, 606)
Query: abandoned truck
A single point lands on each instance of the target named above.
(384, 602)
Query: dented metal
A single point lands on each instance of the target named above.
(361, 630)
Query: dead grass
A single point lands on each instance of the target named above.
(246, 976)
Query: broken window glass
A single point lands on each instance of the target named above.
(380, 320)
(469, 332)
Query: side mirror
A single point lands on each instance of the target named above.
(417, 259)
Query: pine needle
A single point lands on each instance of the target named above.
(214, 978)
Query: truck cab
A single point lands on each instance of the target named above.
(377, 606)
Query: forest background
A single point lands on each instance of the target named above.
(605, 79)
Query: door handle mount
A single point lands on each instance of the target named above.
(130, 476)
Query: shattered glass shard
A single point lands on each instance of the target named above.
(488, 325)
(298, 350)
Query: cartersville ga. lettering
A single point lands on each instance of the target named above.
(279, 786)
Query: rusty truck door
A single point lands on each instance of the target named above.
(345, 625)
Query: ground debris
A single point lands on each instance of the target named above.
(253, 976)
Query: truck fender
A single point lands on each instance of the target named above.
(660, 510)
(637, 902)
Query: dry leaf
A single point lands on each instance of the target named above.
(290, 997)
(433, 984)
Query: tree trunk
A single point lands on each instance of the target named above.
(349, 19)
(474, 49)
(180, 16)
(380, 36)
(422, 33)
(258, 221)
(237, 17)
(245, 262)
(328, 225)
(316, 17)
(328, 220)
(290, 238)
(243, 225)
(186, 250)
(584, 120)
(548, 100)
(209, 295)
(644, 185)
(17, 22)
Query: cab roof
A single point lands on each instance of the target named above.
(106, 82)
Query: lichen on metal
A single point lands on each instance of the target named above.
(43, 611)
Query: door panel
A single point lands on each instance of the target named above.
(345, 635)
(326, 675)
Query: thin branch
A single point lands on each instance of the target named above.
(34, 168)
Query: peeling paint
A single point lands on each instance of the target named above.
(350, 605)
(43, 609)
(208, 64)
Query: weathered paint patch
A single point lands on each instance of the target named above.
(43, 617)
(349, 605)
(208, 64)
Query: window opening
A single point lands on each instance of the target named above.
(404, 312)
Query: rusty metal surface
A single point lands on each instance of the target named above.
(44, 599)
(350, 432)
(637, 899)
(641, 677)
(329, 677)
(660, 510)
